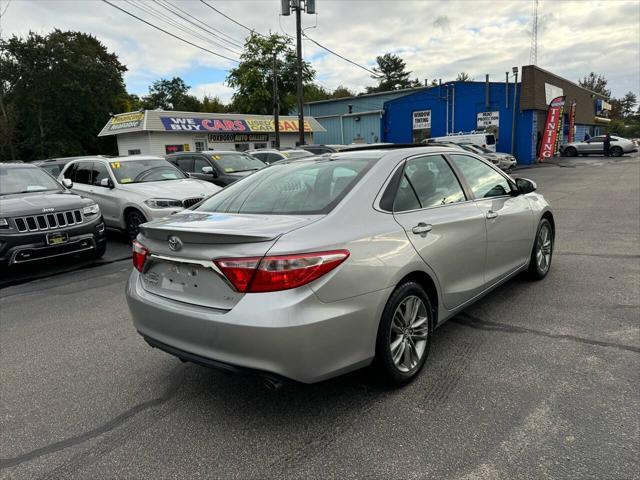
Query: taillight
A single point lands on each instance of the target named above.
(140, 254)
(279, 272)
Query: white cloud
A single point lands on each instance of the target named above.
(215, 89)
(437, 39)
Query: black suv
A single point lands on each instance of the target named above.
(39, 218)
(219, 167)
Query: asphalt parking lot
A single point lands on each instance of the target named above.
(537, 380)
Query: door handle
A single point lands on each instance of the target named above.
(421, 229)
(491, 214)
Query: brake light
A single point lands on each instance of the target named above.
(279, 272)
(140, 254)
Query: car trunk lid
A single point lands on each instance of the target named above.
(183, 246)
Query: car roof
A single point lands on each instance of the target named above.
(266, 150)
(206, 152)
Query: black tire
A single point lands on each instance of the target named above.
(134, 219)
(99, 251)
(538, 270)
(616, 152)
(384, 365)
(570, 152)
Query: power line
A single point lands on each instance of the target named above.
(169, 33)
(187, 29)
(229, 18)
(230, 39)
(375, 74)
(207, 29)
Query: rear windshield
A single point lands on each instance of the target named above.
(294, 188)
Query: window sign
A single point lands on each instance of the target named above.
(421, 119)
(488, 119)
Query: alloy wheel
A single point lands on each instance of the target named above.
(543, 248)
(409, 333)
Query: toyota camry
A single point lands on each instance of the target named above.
(317, 267)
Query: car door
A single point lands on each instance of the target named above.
(595, 145)
(105, 196)
(509, 218)
(446, 229)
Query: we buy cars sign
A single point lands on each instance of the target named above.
(551, 132)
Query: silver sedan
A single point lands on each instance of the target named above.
(595, 146)
(313, 269)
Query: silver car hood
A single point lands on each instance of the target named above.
(176, 189)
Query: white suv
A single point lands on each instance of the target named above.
(133, 190)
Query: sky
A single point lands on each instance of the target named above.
(437, 39)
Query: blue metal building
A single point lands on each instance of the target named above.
(462, 107)
(352, 119)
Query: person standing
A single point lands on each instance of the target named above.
(586, 136)
(607, 145)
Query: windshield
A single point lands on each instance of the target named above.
(143, 171)
(27, 179)
(475, 148)
(291, 154)
(237, 162)
(295, 188)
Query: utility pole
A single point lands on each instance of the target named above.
(300, 91)
(276, 99)
(299, 6)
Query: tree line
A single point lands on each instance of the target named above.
(58, 90)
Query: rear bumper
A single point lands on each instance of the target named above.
(288, 334)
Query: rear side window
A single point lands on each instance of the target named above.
(490, 139)
(483, 180)
(427, 182)
(304, 188)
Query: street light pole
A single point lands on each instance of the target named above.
(298, 9)
(513, 118)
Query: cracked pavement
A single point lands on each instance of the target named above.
(536, 380)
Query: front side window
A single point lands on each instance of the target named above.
(25, 180)
(144, 170)
(199, 163)
(427, 182)
(304, 188)
(184, 162)
(83, 173)
(483, 180)
(99, 173)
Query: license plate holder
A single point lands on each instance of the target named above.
(57, 238)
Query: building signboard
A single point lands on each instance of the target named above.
(225, 125)
(125, 121)
(488, 119)
(421, 119)
(238, 137)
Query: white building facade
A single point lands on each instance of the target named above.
(160, 132)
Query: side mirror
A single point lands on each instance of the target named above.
(67, 183)
(106, 182)
(525, 185)
(209, 171)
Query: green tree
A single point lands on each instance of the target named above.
(314, 93)
(463, 77)
(342, 92)
(253, 77)
(596, 83)
(391, 74)
(627, 104)
(213, 105)
(171, 95)
(61, 89)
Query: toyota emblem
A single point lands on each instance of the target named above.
(175, 243)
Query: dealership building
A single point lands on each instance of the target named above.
(159, 132)
(514, 112)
